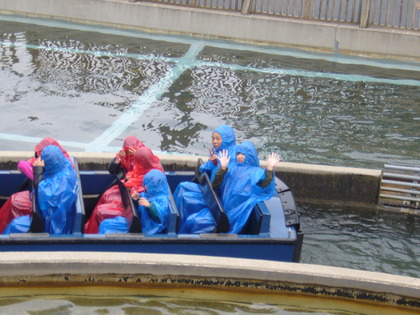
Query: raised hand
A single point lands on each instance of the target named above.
(224, 159)
(134, 195)
(131, 150)
(39, 162)
(272, 160)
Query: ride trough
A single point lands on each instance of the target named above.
(271, 233)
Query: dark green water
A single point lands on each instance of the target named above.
(119, 300)
(91, 87)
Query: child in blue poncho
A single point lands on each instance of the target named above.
(188, 196)
(154, 203)
(244, 183)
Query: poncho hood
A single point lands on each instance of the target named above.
(54, 160)
(228, 137)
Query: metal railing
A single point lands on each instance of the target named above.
(401, 183)
(403, 14)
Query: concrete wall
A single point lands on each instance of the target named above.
(314, 183)
(230, 25)
(26, 270)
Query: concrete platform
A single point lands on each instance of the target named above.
(30, 269)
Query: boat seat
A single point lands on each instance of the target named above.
(258, 221)
(129, 206)
(16, 181)
(212, 200)
(37, 226)
(173, 215)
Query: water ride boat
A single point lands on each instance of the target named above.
(271, 233)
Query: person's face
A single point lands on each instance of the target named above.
(240, 157)
(216, 140)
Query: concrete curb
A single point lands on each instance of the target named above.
(30, 268)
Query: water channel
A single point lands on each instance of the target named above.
(89, 87)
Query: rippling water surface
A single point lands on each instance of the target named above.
(313, 108)
(113, 300)
(90, 87)
(361, 239)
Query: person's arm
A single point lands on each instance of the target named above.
(218, 178)
(269, 175)
(115, 167)
(38, 171)
(272, 160)
(150, 208)
(153, 213)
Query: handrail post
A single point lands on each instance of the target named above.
(307, 9)
(365, 14)
(246, 7)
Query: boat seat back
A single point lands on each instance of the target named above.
(12, 182)
(80, 218)
(129, 206)
(212, 200)
(258, 221)
(173, 215)
(37, 225)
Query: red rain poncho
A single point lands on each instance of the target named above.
(144, 161)
(110, 205)
(127, 162)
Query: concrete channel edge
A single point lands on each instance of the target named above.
(133, 269)
(312, 183)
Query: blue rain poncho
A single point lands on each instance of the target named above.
(114, 225)
(57, 192)
(200, 222)
(19, 225)
(239, 191)
(155, 220)
(188, 196)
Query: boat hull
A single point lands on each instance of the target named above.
(275, 236)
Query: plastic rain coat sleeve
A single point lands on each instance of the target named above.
(26, 168)
(114, 225)
(189, 200)
(200, 222)
(18, 204)
(19, 225)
